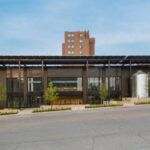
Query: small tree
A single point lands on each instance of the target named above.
(2, 92)
(148, 87)
(103, 92)
(50, 93)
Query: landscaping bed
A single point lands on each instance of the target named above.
(49, 109)
(103, 105)
(8, 111)
(141, 103)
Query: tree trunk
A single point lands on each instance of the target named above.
(51, 105)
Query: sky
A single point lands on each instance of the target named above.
(36, 27)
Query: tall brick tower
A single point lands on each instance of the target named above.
(78, 44)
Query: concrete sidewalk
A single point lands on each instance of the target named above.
(26, 111)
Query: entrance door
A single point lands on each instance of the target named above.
(34, 101)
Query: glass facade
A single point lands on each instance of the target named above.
(13, 84)
(115, 86)
(115, 83)
(94, 83)
(149, 85)
(34, 84)
(93, 89)
(15, 102)
(67, 84)
(34, 101)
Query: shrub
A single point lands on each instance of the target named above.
(140, 103)
(103, 105)
(54, 109)
(8, 113)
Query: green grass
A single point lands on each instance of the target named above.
(49, 109)
(103, 105)
(140, 103)
(8, 113)
(17, 108)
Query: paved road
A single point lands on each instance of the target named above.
(101, 129)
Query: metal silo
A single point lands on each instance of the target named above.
(139, 84)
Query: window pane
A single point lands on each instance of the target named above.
(115, 86)
(94, 83)
(67, 84)
(15, 102)
(13, 84)
(34, 84)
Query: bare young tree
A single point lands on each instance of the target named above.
(103, 92)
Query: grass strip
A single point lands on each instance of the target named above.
(103, 105)
(141, 103)
(8, 113)
(49, 109)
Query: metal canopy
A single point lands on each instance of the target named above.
(29, 60)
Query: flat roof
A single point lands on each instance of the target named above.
(133, 59)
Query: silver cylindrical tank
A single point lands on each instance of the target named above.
(139, 84)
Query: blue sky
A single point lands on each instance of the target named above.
(36, 27)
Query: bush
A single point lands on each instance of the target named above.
(140, 103)
(103, 105)
(49, 109)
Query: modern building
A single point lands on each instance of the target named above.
(78, 44)
(27, 77)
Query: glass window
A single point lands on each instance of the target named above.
(114, 83)
(118, 83)
(81, 46)
(149, 83)
(69, 35)
(94, 83)
(115, 86)
(15, 102)
(69, 46)
(13, 84)
(81, 35)
(69, 52)
(34, 84)
(81, 40)
(67, 84)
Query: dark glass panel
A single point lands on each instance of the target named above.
(15, 102)
(67, 84)
(34, 84)
(13, 84)
(94, 83)
(115, 86)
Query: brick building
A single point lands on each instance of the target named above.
(26, 78)
(78, 44)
